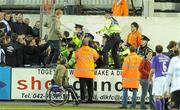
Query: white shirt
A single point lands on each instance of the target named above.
(173, 75)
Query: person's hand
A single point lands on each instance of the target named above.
(61, 89)
(97, 32)
(166, 94)
(48, 51)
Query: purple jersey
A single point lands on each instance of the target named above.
(160, 63)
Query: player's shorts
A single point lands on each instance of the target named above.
(175, 100)
(158, 86)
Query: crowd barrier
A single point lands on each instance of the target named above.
(32, 83)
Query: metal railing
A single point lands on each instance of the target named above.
(59, 2)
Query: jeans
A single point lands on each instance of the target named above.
(112, 43)
(151, 98)
(55, 51)
(145, 87)
(125, 97)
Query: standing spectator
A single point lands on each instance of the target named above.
(84, 69)
(173, 81)
(7, 18)
(15, 17)
(134, 37)
(130, 77)
(8, 28)
(27, 22)
(13, 55)
(54, 36)
(35, 52)
(159, 66)
(120, 8)
(144, 69)
(2, 29)
(36, 29)
(19, 26)
(113, 40)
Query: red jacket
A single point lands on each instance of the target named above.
(144, 69)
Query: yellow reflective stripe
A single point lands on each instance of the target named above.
(131, 79)
(130, 66)
(85, 69)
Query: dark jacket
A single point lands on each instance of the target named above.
(171, 54)
(36, 32)
(21, 28)
(34, 54)
(13, 54)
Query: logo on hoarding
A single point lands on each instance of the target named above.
(2, 84)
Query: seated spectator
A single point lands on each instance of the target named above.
(61, 78)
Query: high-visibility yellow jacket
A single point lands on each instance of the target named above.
(120, 9)
(130, 71)
(134, 39)
(110, 27)
(85, 62)
(78, 40)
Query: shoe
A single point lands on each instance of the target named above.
(132, 107)
(89, 102)
(144, 108)
(122, 107)
(77, 103)
(83, 101)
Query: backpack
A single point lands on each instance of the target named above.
(2, 56)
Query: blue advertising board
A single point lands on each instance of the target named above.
(5, 83)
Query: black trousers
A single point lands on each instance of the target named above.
(83, 83)
(112, 43)
(175, 100)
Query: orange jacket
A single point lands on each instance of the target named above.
(130, 71)
(120, 9)
(85, 58)
(134, 38)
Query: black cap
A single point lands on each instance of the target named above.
(78, 26)
(108, 12)
(145, 38)
(89, 35)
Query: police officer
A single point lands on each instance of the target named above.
(144, 46)
(78, 35)
(112, 29)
